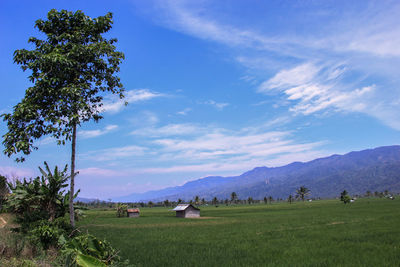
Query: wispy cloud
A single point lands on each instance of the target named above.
(110, 154)
(315, 87)
(169, 130)
(360, 41)
(184, 111)
(85, 134)
(219, 106)
(13, 172)
(113, 104)
(232, 147)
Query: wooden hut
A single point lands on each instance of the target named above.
(187, 211)
(133, 213)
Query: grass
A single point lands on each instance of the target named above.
(320, 233)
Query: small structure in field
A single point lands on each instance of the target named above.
(187, 211)
(133, 213)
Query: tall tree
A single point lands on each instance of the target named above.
(290, 199)
(233, 197)
(71, 70)
(196, 200)
(302, 192)
(215, 201)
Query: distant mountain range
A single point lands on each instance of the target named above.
(357, 172)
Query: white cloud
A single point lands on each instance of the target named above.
(168, 130)
(85, 134)
(301, 74)
(219, 106)
(13, 172)
(110, 154)
(314, 88)
(102, 172)
(229, 147)
(366, 38)
(184, 112)
(113, 104)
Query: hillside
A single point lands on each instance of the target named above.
(373, 169)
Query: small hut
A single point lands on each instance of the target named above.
(133, 213)
(187, 211)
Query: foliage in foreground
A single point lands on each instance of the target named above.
(41, 198)
(40, 206)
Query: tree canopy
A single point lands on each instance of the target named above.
(70, 69)
(302, 192)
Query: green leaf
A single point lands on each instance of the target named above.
(88, 261)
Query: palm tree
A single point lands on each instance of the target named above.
(343, 194)
(180, 201)
(302, 192)
(290, 199)
(166, 203)
(233, 197)
(196, 200)
(215, 201)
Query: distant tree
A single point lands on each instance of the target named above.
(344, 196)
(250, 200)
(180, 201)
(233, 197)
(197, 200)
(122, 209)
(302, 192)
(215, 201)
(386, 192)
(71, 70)
(265, 200)
(150, 204)
(191, 202)
(270, 199)
(368, 194)
(166, 203)
(226, 201)
(290, 199)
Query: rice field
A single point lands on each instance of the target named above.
(318, 233)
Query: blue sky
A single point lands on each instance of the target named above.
(221, 87)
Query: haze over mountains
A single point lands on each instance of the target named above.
(357, 172)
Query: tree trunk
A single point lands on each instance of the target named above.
(72, 182)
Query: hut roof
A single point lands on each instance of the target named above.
(184, 207)
(133, 210)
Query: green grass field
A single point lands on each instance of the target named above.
(320, 233)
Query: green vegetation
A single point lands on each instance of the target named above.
(38, 207)
(320, 233)
(302, 192)
(344, 196)
(70, 69)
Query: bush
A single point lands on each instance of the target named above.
(87, 250)
(46, 234)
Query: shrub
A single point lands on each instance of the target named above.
(122, 210)
(87, 249)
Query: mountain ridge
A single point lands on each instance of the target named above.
(374, 169)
